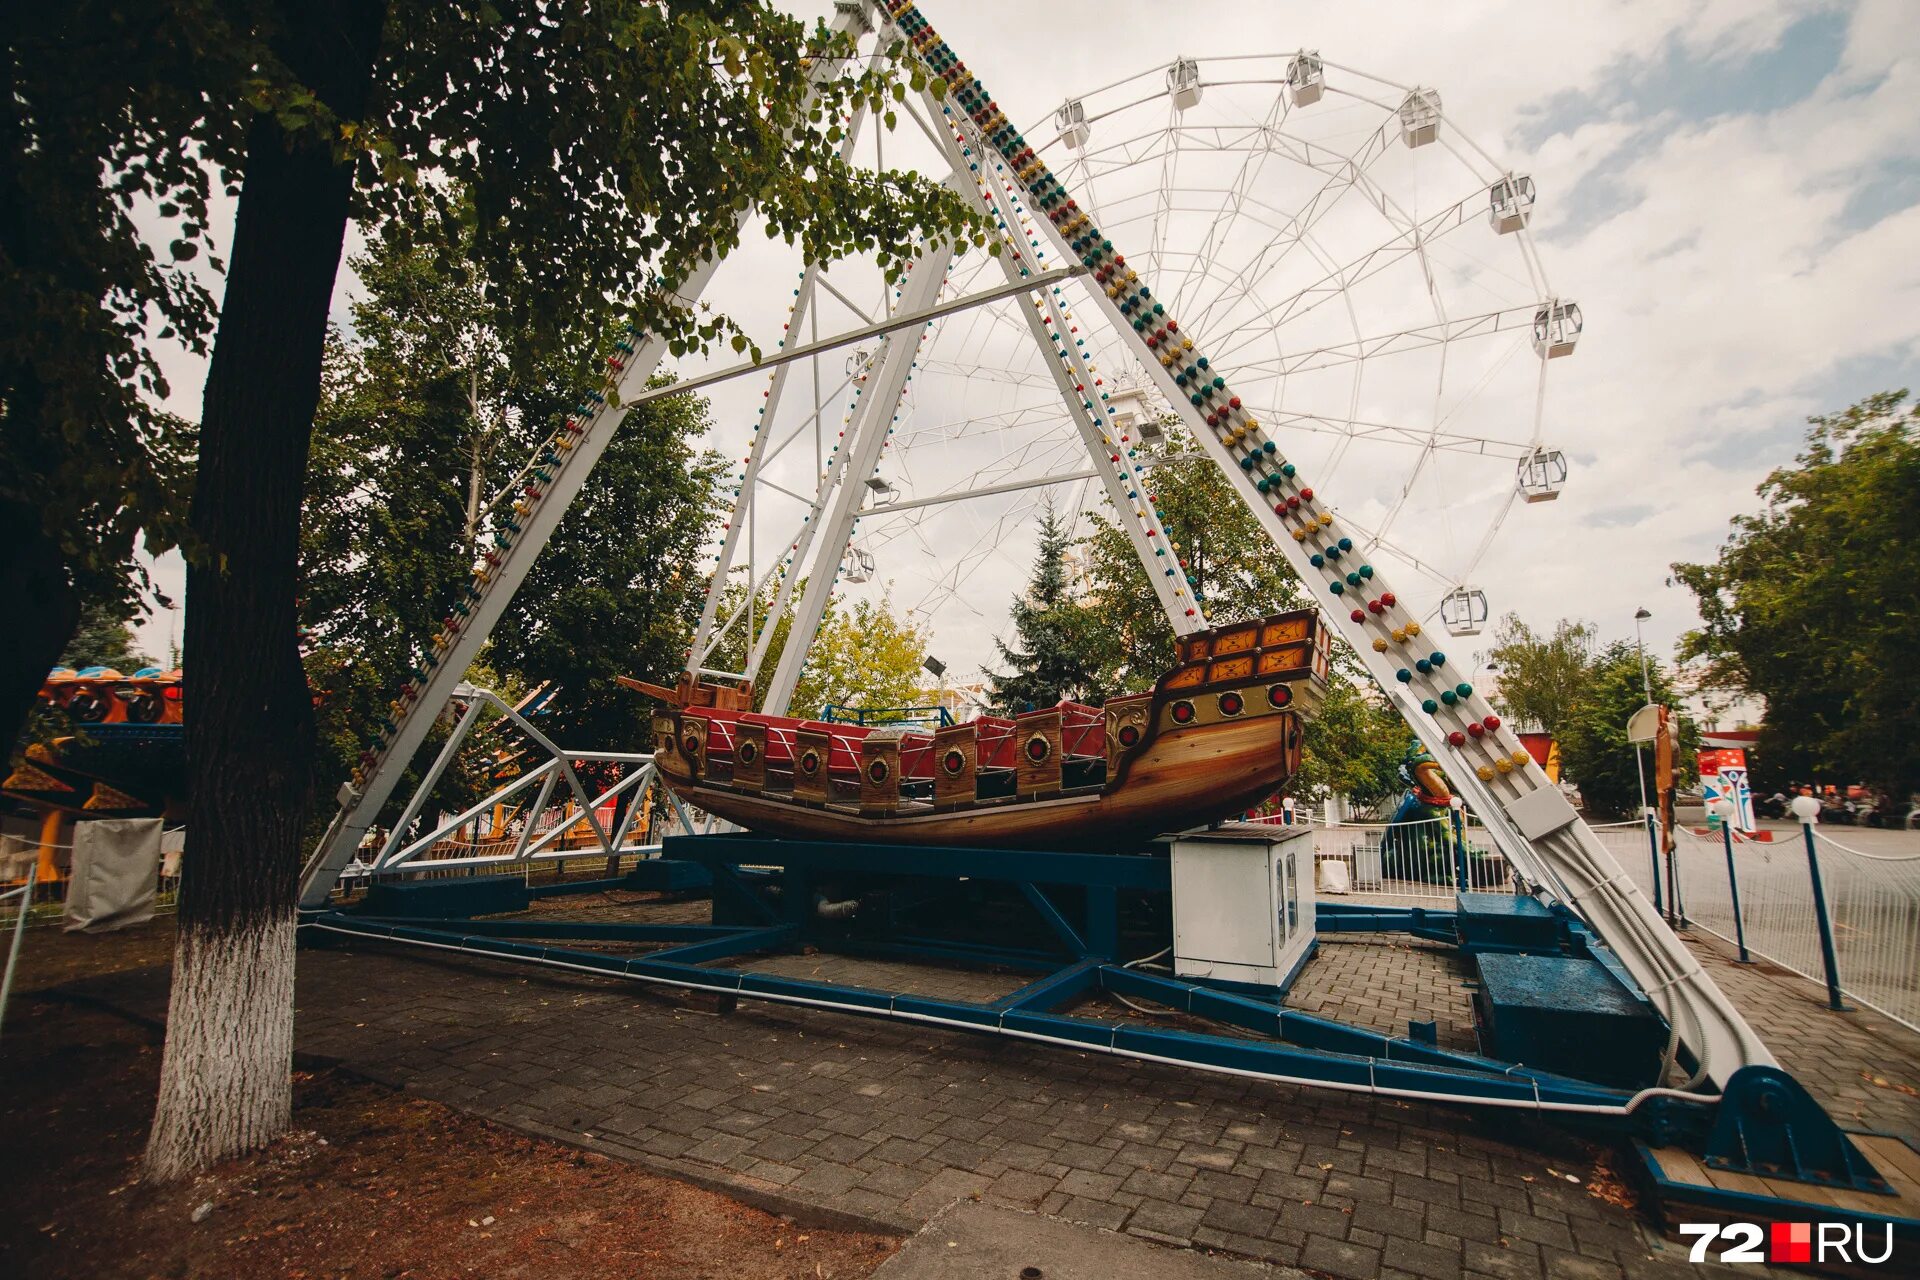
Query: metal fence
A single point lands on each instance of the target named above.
(1430, 860)
(23, 867)
(1842, 916)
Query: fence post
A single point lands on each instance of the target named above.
(1460, 851)
(1733, 887)
(19, 927)
(1653, 847)
(1826, 926)
(1673, 887)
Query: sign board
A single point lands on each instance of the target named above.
(1644, 724)
(1724, 787)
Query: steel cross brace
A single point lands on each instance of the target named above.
(703, 637)
(858, 458)
(1074, 376)
(1399, 1068)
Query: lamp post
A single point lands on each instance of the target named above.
(1646, 684)
(1640, 643)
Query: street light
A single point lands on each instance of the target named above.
(1640, 643)
(1646, 683)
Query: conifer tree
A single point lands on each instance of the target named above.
(1051, 658)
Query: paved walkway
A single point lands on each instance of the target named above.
(968, 1240)
(889, 1123)
(892, 1122)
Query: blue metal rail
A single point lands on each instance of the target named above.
(1305, 1050)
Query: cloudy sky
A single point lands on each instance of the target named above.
(1731, 191)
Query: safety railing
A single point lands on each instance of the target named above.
(21, 898)
(34, 880)
(1428, 860)
(1843, 916)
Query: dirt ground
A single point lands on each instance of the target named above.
(370, 1183)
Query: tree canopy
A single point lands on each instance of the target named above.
(1543, 678)
(1594, 750)
(1353, 746)
(587, 157)
(863, 656)
(1214, 542)
(1812, 601)
(423, 426)
(584, 158)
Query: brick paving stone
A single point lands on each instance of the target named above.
(1419, 1258)
(1316, 1219)
(1083, 1182)
(1164, 1186)
(1573, 1266)
(1525, 1226)
(1220, 1158)
(1518, 1261)
(1340, 1258)
(1016, 1187)
(828, 1179)
(1371, 1216)
(1239, 1219)
(1100, 1213)
(1163, 1221)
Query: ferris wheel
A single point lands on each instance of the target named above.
(1364, 267)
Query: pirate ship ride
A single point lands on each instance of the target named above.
(1219, 733)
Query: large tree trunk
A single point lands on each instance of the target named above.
(225, 1081)
(45, 610)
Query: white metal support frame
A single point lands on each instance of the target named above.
(401, 851)
(466, 632)
(1074, 376)
(1534, 827)
(866, 438)
(704, 637)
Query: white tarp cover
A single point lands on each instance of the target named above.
(116, 869)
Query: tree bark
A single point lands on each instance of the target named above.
(225, 1082)
(45, 610)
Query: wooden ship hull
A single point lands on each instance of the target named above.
(1221, 732)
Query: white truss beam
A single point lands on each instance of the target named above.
(1076, 380)
(841, 487)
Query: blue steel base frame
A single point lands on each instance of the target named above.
(1079, 958)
